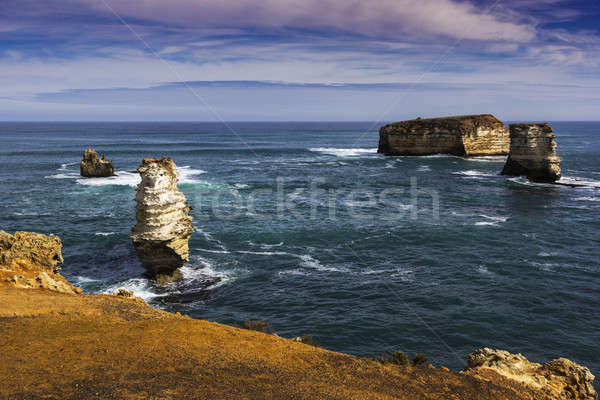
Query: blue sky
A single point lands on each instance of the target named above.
(376, 60)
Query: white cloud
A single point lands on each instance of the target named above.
(384, 18)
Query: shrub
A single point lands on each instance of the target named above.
(400, 358)
(309, 339)
(259, 325)
(419, 359)
(397, 357)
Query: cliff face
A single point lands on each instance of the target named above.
(469, 135)
(163, 226)
(533, 153)
(560, 379)
(32, 261)
(93, 167)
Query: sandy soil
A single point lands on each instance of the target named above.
(67, 346)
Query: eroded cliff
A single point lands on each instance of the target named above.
(32, 261)
(468, 135)
(533, 153)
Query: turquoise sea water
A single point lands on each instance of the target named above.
(304, 225)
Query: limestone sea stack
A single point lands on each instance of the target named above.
(533, 153)
(92, 166)
(464, 136)
(164, 226)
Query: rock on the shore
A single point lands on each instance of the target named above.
(464, 136)
(163, 226)
(32, 261)
(533, 153)
(92, 166)
(560, 379)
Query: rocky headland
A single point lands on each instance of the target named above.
(464, 136)
(92, 166)
(164, 225)
(58, 344)
(533, 153)
(32, 261)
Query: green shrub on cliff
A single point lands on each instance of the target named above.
(397, 357)
(419, 359)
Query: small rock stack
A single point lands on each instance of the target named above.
(164, 226)
(94, 167)
(533, 153)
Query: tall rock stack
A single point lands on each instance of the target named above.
(533, 153)
(92, 166)
(163, 227)
(463, 135)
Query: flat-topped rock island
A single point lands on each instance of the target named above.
(463, 136)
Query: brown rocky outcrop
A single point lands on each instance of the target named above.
(32, 261)
(533, 153)
(560, 379)
(163, 226)
(464, 136)
(92, 166)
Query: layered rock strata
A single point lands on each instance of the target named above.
(32, 261)
(464, 136)
(92, 166)
(533, 153)
(163, 226)
(559, 379)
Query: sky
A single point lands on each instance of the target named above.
(298, 60)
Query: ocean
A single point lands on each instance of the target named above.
(305, 226)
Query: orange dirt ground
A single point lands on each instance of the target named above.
(67, 346)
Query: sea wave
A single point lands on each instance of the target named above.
(344, 152)
(124, 178)
(473, 174)
(584, 182)
(498, 159)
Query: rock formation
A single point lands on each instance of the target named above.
(533, 153)
(464, 136)
(32, 260)
(93, 167)
(163, 226)
(560, 379)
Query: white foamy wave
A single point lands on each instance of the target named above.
(204, 270)
(240, 186)
(63, 167)
(296, 272)
(105, 233)
(214, 251)
(186, 173)
(311, 262)
(84, 279)
(579, 181)
(141, 287)
(473, 174)
(491, 221)
(66, 175)
(266, 253)
(587, 199)
(488, 159)
(424, 168)
(123, 178)
(483, 270)
(345, 152)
